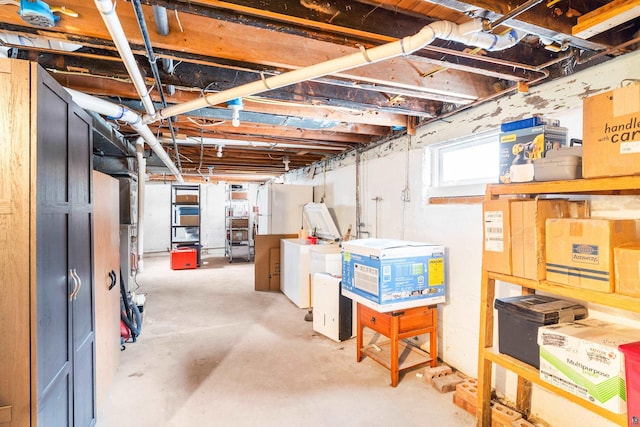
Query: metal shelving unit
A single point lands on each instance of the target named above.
(185, 217)
(238, 223)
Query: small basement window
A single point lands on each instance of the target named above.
(462, 167)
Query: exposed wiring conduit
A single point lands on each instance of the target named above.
(137, 9)
(118, 112)
(468, 33)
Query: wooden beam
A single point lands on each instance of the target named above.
(263, 46)
(606, 17)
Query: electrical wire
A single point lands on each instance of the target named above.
(178, 19)
(204, 125)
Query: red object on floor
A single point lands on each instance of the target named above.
(184, 258)
(631, 353)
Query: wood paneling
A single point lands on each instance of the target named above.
(14, 242)
(106, 230)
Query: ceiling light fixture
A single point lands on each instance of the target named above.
(235, 105)
(219, 154)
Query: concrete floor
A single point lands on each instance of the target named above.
(214, 352)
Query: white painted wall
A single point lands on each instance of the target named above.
(212, 222)
(383, 174)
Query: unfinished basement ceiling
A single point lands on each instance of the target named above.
(210, 46)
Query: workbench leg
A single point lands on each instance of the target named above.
(359, 332)
(433, 339)
(395, 325)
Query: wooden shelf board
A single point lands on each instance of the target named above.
(530, 373)
(613, 185)
(609, 299)
(408, 356)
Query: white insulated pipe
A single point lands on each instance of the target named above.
(467, 33)
(142, 166)
(107, 10)
(119, 112)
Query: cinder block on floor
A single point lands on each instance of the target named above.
(502, 416)
(446, 383)
(438, 371)
(468, 391)
(522, 423)
(459, 401)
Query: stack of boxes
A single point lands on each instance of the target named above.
(558, 241)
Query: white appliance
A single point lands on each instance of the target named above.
(334, 315)
(296, 270)
(299, 259)
(280, 207)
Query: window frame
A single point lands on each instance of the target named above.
(434, 154)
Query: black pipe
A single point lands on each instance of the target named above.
(137, 8)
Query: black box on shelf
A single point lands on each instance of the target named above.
(520, 317)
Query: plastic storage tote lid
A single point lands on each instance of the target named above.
(631, 349)
(542, 309)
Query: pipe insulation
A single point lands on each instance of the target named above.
(142, 166)
(119, 112)
(108, 12)
(468, 33)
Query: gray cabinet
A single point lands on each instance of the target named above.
(64, 278)
(58, 268)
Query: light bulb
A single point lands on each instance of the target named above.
(235, 105)
(219, 154)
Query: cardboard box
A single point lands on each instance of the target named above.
(528, 226)
(627, 269)
(239, 195)
(186, 198)
(519, 148)
(387, 274)
(580, 251)
(189, 220)
(265, 276)
(274, 269)
(240, 223)
(583, 359)
(496, 250)
(239, 235)
(611, 133)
